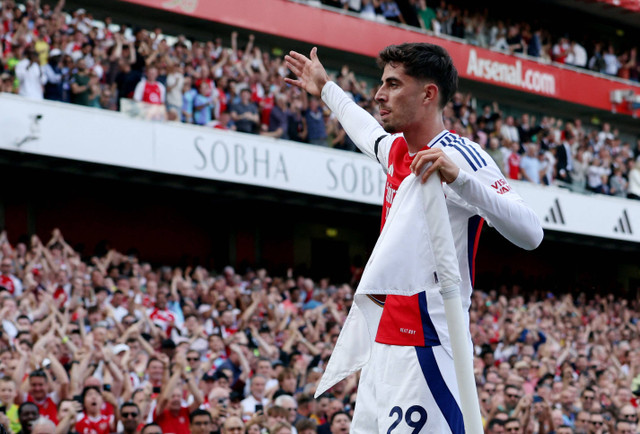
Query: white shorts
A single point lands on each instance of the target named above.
(408, 390)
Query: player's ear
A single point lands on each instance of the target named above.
(430, 92)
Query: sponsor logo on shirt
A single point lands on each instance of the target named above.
(501, 186)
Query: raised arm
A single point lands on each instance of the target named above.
(361, 127)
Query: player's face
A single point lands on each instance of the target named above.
(399, 99)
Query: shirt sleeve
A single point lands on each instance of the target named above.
(139, 91)
(508, 214)
(362, 128)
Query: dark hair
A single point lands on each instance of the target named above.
(24, 317)
(306, 424)
(149, 425)
(27, 403)
(425, 62)
(38, 373)
(513, 419)
(199, 412)
(86, 389)
(494, 422)
(337, 413)
(129, 404)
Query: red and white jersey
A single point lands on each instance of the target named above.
(12, 283)
(480, 193)
(513, 165)
(152, 93)
(162, 317)
(47, 407)
(407, 320)
(94, 425)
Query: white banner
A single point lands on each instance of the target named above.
(98, 136)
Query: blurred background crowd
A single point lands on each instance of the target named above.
(50, 53)
(113, 343)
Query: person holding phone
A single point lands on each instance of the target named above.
(256, 401)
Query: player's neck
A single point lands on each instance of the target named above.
(420, 136)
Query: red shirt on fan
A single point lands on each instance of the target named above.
(170, 423)
(94, 425)
(151, 92)
(47, 408)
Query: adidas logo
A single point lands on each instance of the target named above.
(555, 214)
(624, 225)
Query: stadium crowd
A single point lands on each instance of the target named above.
(51, 54)
(532, 36)
(110, 343)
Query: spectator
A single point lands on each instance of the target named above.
(92, 418)
(245, 113)
(514, 161)
(597, 176)
(80, 87)
(170, 413)
(509, 131)
(514, 40)
(8, 395)
(564, 159)
(390, 11)
(131, 418)
(256, 401)
(54, 77)
(316, 127)
(278, 119)
(611, 61)
(426, 15)
(596, 61)
(296, 122)
(151, 428)
(28, 413)
(30, 76)
(233, 425)
(149, 90)
(340, 422)
(561, 49)
(577, 55)
(200, 422)
(42, 425)
(188, 98)
(633, 189)
(617, 183)
(175, 85)
(203, 105)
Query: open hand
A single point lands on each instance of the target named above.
(311, 74)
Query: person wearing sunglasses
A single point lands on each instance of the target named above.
(130, 415)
